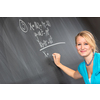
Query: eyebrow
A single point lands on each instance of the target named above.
(80, 42)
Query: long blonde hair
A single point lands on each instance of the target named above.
(89, 38)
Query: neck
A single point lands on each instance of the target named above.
(88, 58)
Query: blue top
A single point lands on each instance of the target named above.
(95, 77)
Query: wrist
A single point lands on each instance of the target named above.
(59, 65)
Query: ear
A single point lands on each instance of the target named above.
(93, 48)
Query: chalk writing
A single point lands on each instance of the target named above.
(23, 26)
(47, 31)
(41, 32)
(50, 41)
(46, 54)
(31, 26)
(52, 45)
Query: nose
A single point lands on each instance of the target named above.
(82, 46)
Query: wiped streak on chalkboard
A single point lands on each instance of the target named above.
(52, 45)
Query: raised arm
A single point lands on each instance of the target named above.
(74, 74)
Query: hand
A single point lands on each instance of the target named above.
(56, 57)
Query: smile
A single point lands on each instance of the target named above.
(82, 51)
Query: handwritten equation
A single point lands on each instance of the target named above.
(41, 32)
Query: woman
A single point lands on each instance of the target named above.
(89, 69)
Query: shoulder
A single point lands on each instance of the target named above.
(97, 54)
(97, 63)
(97, 59)
(81, 64)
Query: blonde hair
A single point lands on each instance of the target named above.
(89, 38)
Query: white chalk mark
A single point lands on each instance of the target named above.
(52, 45)
(23, 26)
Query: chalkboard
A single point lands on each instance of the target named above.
(27, 44)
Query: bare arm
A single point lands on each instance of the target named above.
(74, 74)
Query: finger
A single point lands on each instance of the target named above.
(54, 57)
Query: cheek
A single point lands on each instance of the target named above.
(88, 48)
(78, 48)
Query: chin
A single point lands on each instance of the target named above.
(83, 54)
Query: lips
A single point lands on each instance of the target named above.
(83, 51)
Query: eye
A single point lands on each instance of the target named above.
(86, 43)
(78, 44)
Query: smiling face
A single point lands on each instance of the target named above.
(82, 46)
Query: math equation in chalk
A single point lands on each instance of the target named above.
(41, 32)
